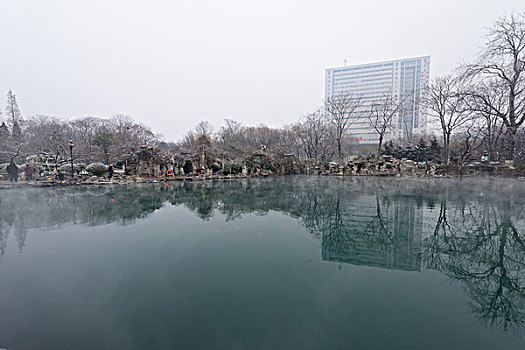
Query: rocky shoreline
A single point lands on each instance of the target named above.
(149, 165)
(132, 180)
(146, 167)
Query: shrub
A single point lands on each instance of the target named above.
(66, 168)
(236, 168)
(96, 169)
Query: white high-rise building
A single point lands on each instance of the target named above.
(404, 80)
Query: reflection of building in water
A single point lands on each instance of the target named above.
(386, 234)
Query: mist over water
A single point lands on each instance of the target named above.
(289, 262)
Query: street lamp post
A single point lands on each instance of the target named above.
(71, 156)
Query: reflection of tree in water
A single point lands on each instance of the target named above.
(4, 233)
(478, 243)
(43, 208)
(462, 229)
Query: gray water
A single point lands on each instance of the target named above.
(282, 263)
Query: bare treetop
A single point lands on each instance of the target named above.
(204, 127)
(341, 112)
(445, 101)
(381, 117)
(501, 65)
(506, 40)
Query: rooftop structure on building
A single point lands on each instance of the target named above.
(402, 80)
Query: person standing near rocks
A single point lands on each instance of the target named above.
(110, 171)
(29, 173)
(12, 170)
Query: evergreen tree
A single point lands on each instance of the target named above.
(4, 131)
(434, 150)
(17, 133)
(389, 148)
(11, 108)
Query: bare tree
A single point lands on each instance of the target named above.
(483, 100)
(341, 112)
(310, 134)
(204, 127)
(129, 135)
(382, 113)
(446, 103)
(262, 135)
(47, 137)
(95, 139)
(230, 136)
(501, 64)
(189, 141)
(463, 147)
(83, 134)
(315, 134)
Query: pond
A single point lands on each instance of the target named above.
(291, 262)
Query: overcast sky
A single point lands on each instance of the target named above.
(170, 64)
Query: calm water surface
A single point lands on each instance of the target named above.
(283, 263)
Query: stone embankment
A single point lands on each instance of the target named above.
(147, 166)
(389, 166)
(117, 180)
